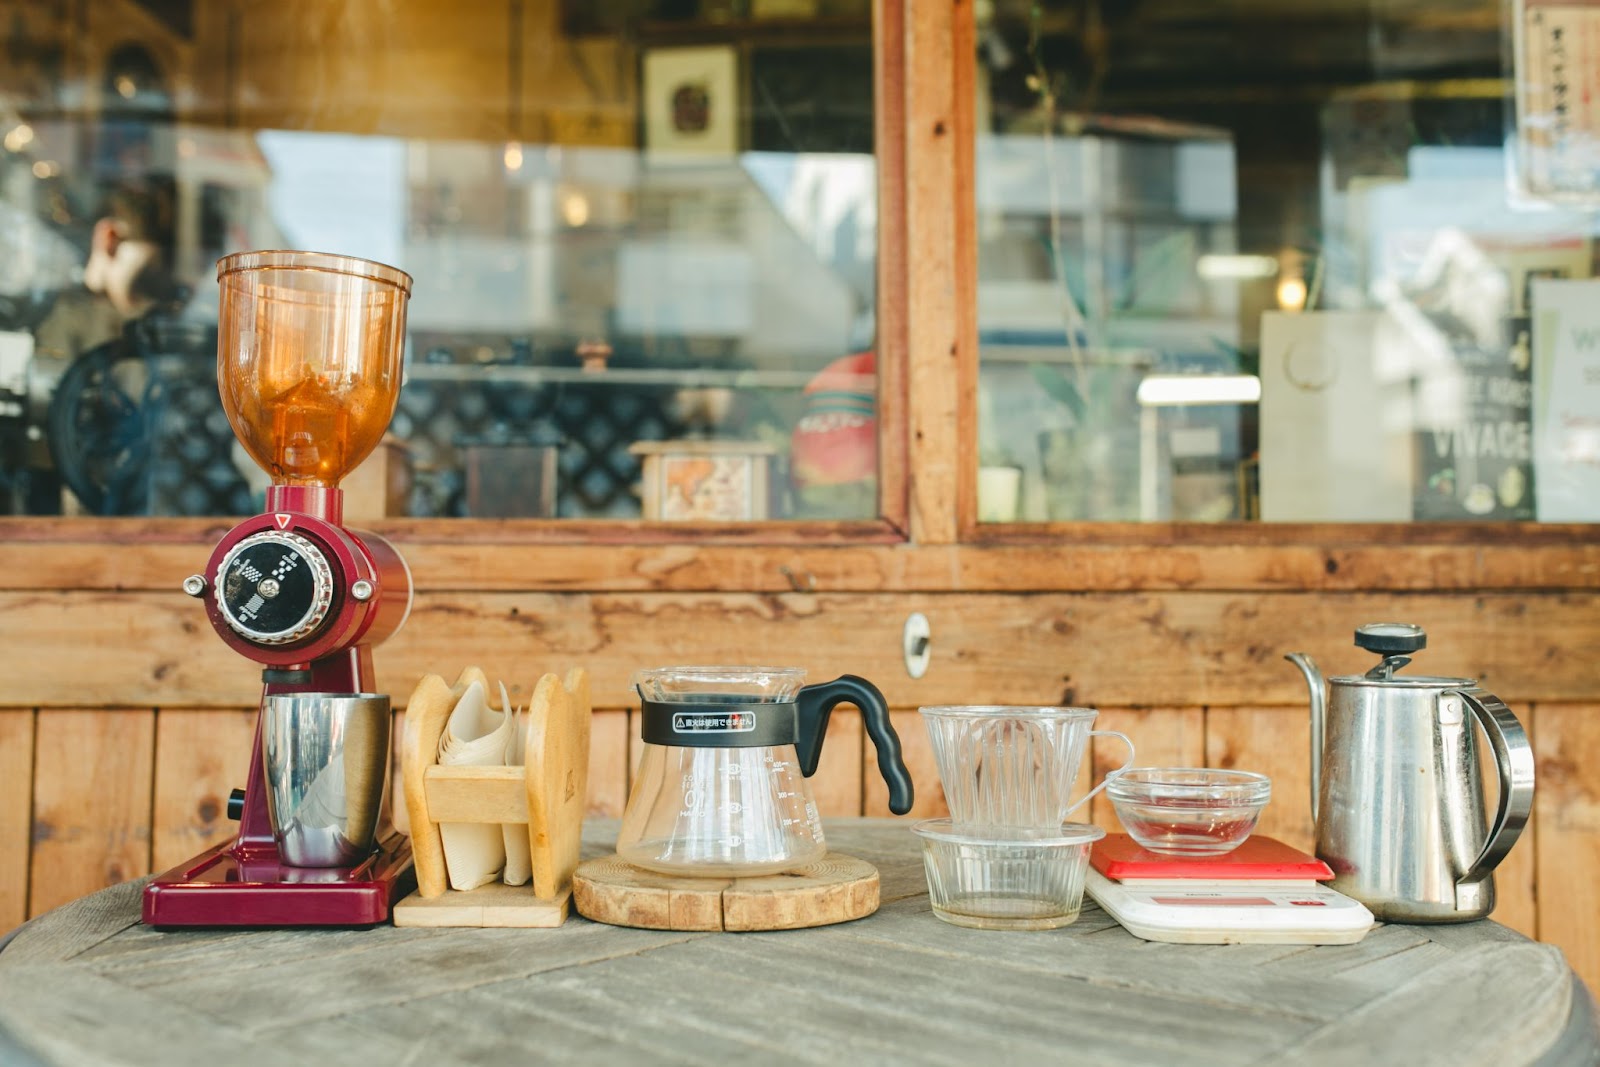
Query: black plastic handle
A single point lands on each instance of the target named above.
(815, 702)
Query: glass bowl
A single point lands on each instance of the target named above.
(1006, 878)
(1189, 811)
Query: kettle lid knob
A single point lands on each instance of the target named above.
(1391, 638)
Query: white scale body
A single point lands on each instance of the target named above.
(1226, 911)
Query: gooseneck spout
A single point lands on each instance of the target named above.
(1319, 711)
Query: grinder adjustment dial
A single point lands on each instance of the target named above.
(274, 587)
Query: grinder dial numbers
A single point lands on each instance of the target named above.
(274, 588)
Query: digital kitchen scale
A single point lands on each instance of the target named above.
(1263, 891)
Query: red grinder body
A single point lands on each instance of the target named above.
(244, 882)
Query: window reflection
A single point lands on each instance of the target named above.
(629, 225)
(1324, 204)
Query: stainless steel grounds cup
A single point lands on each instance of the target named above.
(325, 757)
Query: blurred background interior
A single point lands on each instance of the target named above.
(1238, 259)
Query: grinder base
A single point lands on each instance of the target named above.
(229, 886)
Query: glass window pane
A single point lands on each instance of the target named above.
(1287, 261)
(643, 237)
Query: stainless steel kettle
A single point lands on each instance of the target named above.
(1396, 792)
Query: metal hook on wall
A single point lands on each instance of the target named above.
(804, 582)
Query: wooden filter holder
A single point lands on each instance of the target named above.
(548, 793)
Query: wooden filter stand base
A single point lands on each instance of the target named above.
(834, 889)
(548, 793)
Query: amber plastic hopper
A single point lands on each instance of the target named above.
(309, 359)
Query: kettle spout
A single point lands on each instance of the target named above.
(1319, 710)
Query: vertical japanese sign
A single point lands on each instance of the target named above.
(1557, 80)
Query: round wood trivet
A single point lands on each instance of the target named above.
(834, 889)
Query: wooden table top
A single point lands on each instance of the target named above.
(87, 983)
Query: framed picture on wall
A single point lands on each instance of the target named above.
(692, 100)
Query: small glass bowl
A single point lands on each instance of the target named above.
(1006, 878)
(1189, 811)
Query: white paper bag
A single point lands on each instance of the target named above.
(1336, 417)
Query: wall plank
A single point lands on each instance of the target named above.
(609, 770)
(16, 808)
(1162, 737)
(917, 751)
(487, 555)
(1189, 649)
(92, 796)
(1567, 802)
(398, 815)
(200, 756)
(1275, 742)
(1516, 902)
(837, 785)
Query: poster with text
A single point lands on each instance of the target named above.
(1474, 428)
(1566, 399)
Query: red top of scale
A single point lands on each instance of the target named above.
(1118, 858)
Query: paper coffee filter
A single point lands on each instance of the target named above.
(519, 859)
(475, 736)
(476, 733)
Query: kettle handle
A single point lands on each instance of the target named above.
(815, 702)
(1513, 758)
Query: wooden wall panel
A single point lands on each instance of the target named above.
(1567, 801)
(398, 815)
(1275, 742)
(917, 751)
(1516, 902)
(1103, 649)
(92, 796)
(846, 752)
(16, 810)
(609, 769)
(1516, 886)
(487, 555)
(1162, 737)
(200, 756)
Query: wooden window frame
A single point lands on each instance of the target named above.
(927, 537)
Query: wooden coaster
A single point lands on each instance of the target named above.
(834, 889)
(495, 904)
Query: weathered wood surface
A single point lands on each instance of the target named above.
(87, 984)
(1101, 649)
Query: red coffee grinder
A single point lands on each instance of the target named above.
(309, 355)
